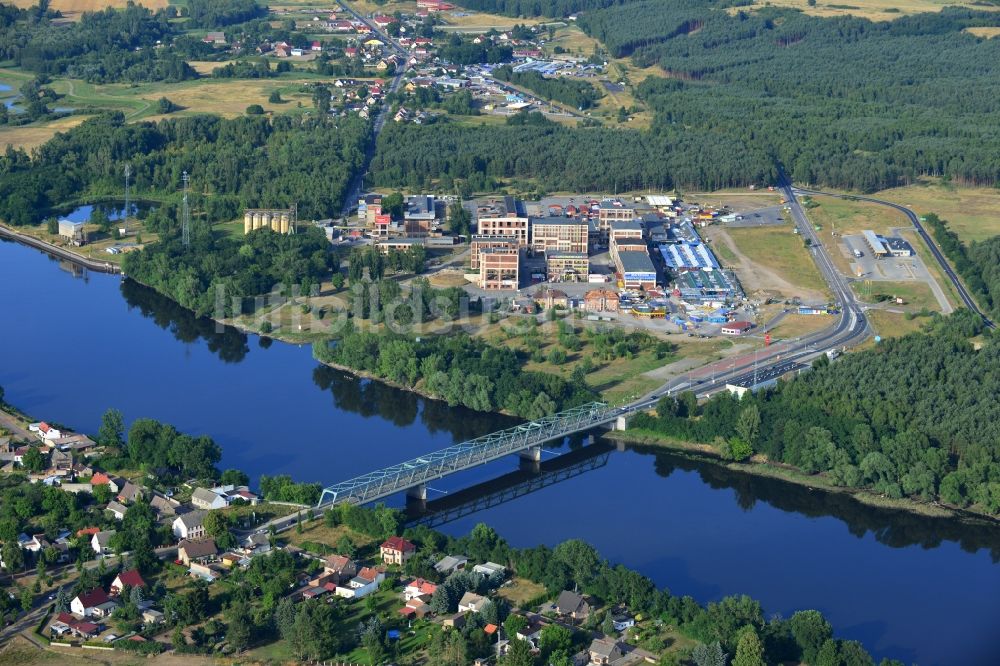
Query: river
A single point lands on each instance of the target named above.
(73, 344)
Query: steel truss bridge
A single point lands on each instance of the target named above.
(513, 486)
(414, 474)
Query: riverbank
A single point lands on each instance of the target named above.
(59, 252)
(758, 466)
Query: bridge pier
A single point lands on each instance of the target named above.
(620, 423)
(416, 497)
(533, 454)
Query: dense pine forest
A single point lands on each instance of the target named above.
(563, 158)
(913, 417)
(243, 162)
(843, 102)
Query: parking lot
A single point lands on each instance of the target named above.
(759, 218)
(894, 269)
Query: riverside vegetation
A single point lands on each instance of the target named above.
(913, 417)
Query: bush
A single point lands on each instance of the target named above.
(255, 110)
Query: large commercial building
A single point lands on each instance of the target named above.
(499, 268)
(613, 210)
(561, 234)
(635, 270)
(685, 256)
(567, 266)
(503, 217)
(704, 286)
(480, 243)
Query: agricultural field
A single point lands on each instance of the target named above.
(73, 8)
(34, 135)
(875, 10)
(471, 21)
(972, 212)
(989, 32)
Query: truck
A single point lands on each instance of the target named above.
(858, 253)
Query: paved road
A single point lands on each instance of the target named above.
(935, 251)
(356, 189)
(13, 426)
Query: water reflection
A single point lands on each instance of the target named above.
(893, 527)
(230, 344)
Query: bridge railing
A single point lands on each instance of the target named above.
(411, 473)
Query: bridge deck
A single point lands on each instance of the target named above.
(391, 480)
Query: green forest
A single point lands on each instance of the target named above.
(843, 102)
(563, 158)
(456, 368)
(247, 162)
(216, 276)
(913, 417)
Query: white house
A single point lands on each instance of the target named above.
(190, 525)
(471, 602)
(88, 605)
(101, 542)
(203, 498)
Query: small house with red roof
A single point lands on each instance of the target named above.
(396, 550)
(418, 587)
(95, 603)
(132, 578)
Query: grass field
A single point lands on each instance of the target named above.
(796, 325)
(915, 295)
(988, 32)
(876, 10)
(972, 212)
(520, 591)
(893, 324)
(31, 136)
(852, 217)
(782, 255)
(73, 8)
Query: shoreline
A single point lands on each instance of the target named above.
(703, 453)
(760, 468)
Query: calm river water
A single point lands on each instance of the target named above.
(73, 344)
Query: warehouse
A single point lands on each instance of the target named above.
(704, 285)
(687, 256)
(636, 270)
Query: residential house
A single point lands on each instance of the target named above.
(101, 542)
(193, 551)
(116, 509)
(622, 621)
(366, 582)
(531, 632)
(152, 617)
(605, 651)
(551, 298)
(418, 587)
(131, 492)
(95, 603)
(572, 605)
(217, 38)
(203, 498)
(47, 433)
(456, 621)
(61, 461)
(257, 544)
(132, 578)
(415, 607)
(396, 550)
(190, 525)
(163, 506)
(341, 566)
(451, 563)
(471, 602)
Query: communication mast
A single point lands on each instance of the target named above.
(128, 209)
(186, 214)
(295, 218)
